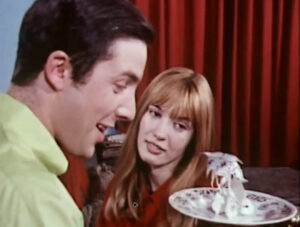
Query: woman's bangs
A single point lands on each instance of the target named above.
(160, 98)
(178, 98)
(181, 107)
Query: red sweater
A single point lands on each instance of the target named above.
(152, 211)
(76, 179)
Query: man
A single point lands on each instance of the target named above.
(77, 68)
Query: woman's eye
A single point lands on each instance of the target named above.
(180, 126)
(154, 113)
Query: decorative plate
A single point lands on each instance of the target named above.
(196, 203)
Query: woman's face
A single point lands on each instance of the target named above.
(161, 139)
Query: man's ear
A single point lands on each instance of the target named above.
(58, 70)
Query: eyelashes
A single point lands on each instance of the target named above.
(119, 87)
(178, 125)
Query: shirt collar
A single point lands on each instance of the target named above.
(24, 128)
(159, 195)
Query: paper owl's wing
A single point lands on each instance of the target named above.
(223, 167)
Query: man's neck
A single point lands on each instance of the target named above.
(24, 95)
(31, 97)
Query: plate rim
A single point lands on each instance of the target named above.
(233, 221)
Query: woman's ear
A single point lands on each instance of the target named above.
(57, 70)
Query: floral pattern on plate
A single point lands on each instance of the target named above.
(196, 202)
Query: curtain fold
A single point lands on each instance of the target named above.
(249, 52)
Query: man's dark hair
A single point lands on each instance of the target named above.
(83, 29)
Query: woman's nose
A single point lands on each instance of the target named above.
(160, 131)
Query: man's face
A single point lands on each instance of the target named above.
(108, 94)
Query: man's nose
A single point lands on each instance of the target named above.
(126, 110)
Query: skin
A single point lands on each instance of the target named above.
(162, 142)
(77, 114)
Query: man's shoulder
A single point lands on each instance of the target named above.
(24, 177)
(23, 173)
(36, 196)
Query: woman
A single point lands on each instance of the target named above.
(163, 152)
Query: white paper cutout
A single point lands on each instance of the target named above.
(227, 175)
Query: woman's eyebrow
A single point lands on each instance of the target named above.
(186, 120)
(156, 106)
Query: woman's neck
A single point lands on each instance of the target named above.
(159, 175)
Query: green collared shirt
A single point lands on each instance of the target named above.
(30, 160)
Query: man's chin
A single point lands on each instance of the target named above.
(88, 153)
(83, 152)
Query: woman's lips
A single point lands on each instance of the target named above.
(153, 148)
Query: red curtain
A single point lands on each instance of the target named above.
(249, 52)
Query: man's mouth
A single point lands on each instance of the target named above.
(101, 127)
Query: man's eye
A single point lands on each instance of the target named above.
(119, 87)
